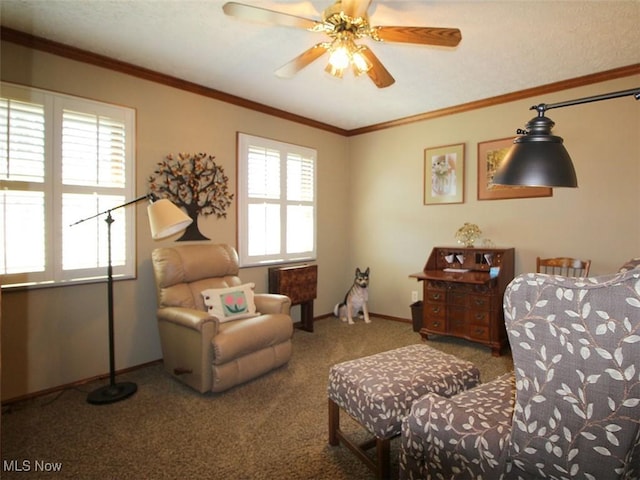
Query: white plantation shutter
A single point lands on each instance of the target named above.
(276, 201)
(22, 197)
(24, 250)
(94, 180)
(84, 246)
(21, 141)
(63, 159)
(263, 173)
(300, 204)
(263, 214)
(93, 150)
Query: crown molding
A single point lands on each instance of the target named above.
(73, 53)
(509, 97)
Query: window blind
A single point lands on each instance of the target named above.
(63, 159)
(276, 201)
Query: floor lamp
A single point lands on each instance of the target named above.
(164, 219)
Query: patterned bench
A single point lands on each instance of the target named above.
(377, 391)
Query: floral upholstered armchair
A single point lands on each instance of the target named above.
(570, 409)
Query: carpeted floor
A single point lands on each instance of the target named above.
(274, 427)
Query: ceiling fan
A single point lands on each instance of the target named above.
(345, 22)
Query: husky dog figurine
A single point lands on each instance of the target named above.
(355, 301)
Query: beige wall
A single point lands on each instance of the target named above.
(393, 232)
(55, 336)
(370, 210)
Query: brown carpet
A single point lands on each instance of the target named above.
(274, 427)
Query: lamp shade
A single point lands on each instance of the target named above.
(166, 219)
(537, 159)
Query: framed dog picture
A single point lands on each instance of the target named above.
(444, 175)
(490, 156)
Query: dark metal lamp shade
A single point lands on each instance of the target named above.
(537, 159)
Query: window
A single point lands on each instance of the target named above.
(63, 159)
(276, 201)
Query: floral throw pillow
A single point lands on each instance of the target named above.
(232, 303)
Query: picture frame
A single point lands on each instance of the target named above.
(444, 174)
(490, 156)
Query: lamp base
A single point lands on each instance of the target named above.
(112, 393)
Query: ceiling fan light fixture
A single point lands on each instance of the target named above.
(344, 22)
(360, 63)
(340, 55)
(332, 70)
(344, 53)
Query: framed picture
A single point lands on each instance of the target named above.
(490, 156)
(444, 174)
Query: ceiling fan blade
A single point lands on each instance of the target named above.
(446, 37)
(380, 75)
(257, 14)
(305, 58)
(355, 8)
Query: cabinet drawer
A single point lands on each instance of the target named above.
(435, 295)
(479, 302)
(478, 332)
(435, 324)
(479, 317)
(435, 310)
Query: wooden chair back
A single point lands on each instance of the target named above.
(565, 266)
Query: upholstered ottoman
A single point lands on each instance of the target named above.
(377, 391)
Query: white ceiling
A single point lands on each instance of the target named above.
(506, 46)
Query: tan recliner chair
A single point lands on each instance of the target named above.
(208, 352)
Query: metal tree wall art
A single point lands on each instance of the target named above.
(195, 183)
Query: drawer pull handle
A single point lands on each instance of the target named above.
(479, 316)
(436, 324)
(436, 296)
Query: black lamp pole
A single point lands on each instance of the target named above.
(541, 108)
(113, 392)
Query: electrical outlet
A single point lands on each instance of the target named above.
(414, 296)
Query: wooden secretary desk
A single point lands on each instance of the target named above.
(463, 294)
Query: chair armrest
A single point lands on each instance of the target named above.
(189, 318)
(272, 303)
(468, 432)
(185, 336)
